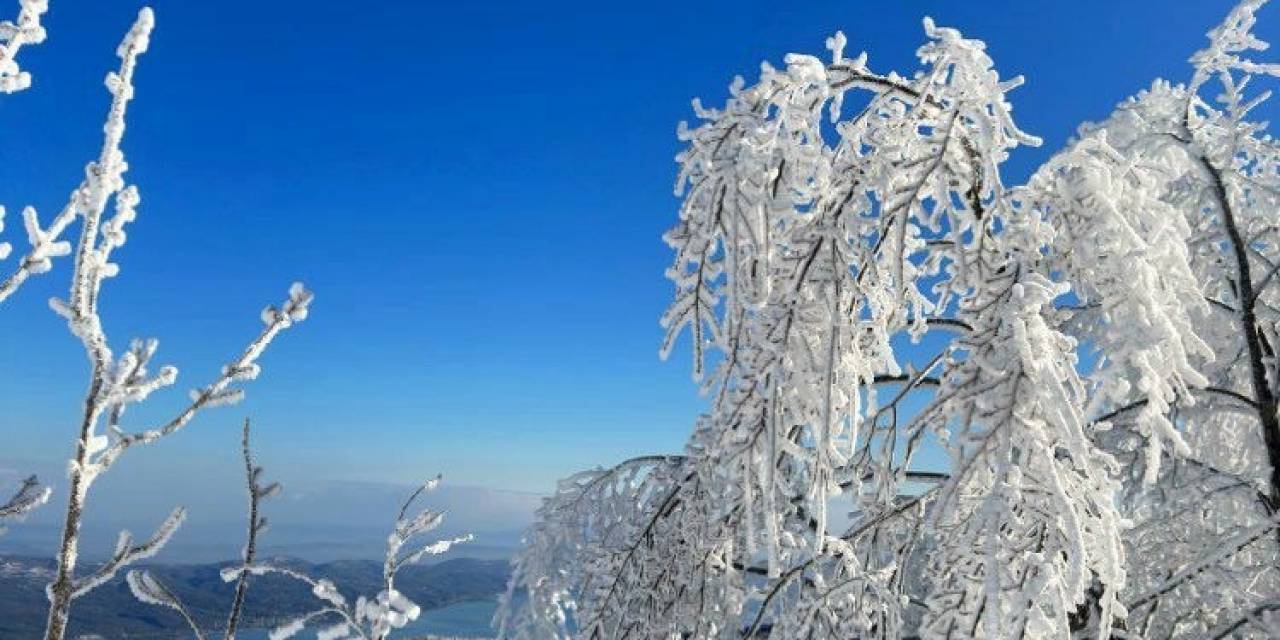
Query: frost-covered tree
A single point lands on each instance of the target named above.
(365, 619)
(941, 406)
(115, 381)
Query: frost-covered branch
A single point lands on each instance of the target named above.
(117, 383)
(146, 588)
(29, 496)
(1263, 616)
(45, 246)
(1213, 556)
(221, 392)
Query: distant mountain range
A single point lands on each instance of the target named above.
(321, 522)
(112, 612)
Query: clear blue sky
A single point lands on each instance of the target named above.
(475, 191)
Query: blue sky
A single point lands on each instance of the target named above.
(475, 191)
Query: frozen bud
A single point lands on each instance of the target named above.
(298, 293)
(127, 199)
(835, 44)
(295, 308)
(269, 491)
(139, 37)
(113, 83)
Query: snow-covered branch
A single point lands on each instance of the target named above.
(127, 553)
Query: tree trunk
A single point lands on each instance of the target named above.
(63, 586)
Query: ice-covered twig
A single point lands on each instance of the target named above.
(1229, 44)
(28, 498)
(127, 553)
(104, 179)
(407, 529)
(146, 588)
(25, 30)
(45, 246)
(257, 524)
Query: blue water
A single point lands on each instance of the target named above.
(465, 619)
(469, 619)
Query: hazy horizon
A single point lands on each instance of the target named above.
(331, 520)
